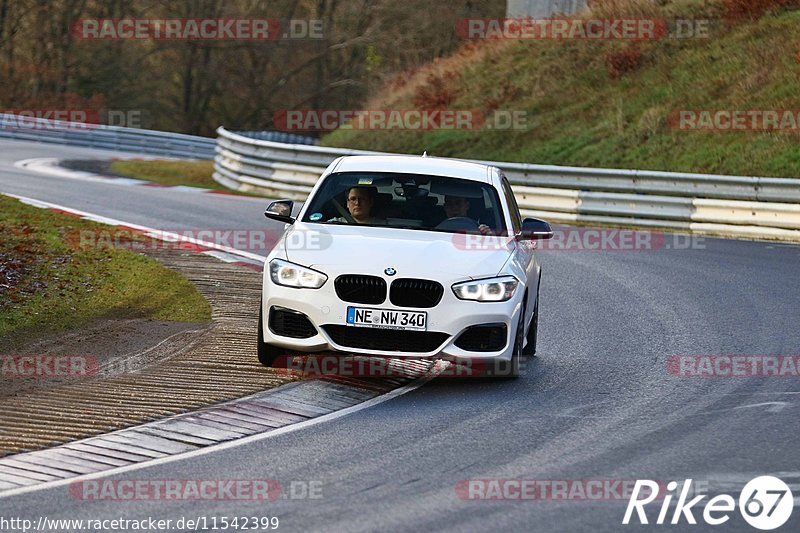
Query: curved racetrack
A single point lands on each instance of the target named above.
(597, 403)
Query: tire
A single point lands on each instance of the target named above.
(530, 348)
(266, 352)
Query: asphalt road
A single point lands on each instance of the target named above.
(597, 403)
(178, 211)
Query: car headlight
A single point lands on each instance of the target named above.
(291, 275)
(487, 290)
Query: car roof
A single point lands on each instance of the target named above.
(414, 164)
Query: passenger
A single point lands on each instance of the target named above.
(360, 201)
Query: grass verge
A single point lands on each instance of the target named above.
(50, 283)
(169, 172)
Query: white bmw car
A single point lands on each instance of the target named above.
(404, 256)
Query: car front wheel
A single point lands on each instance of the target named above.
(530, 347)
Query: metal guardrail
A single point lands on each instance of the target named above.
(279, 137)
(743, 206)
(106, 137)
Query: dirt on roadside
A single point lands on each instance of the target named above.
(102, 349)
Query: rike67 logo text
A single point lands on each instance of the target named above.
(765, 503)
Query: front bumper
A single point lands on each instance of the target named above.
(451, 317)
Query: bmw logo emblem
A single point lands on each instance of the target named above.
(390, 271)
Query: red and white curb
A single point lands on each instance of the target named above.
(51, 166)
(218, 251)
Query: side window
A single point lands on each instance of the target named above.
(516, 220)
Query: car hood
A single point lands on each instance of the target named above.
(414, 253)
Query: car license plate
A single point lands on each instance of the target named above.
(387, 318)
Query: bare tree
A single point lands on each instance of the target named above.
(192, 85)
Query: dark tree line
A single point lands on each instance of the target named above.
(195, 85)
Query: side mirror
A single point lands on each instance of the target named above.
(280, 210)
(534, 229)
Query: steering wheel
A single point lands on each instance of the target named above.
(458, 224)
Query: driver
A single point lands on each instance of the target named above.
(458, 206)
(360, 201)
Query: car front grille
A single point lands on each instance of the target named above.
(385, 340)
(416, 293)
(483, 338)
(288, 323)
(359, 289)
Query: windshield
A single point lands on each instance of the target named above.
(408, 201)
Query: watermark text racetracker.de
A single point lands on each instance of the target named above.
(322, 365)
(734, 366)
(578, 490)
(254, 240)
(548, 489)
(70, 119)
(48, 119)
(196, 29)
(735, 120)
(587, 240)
(43, 366)
(136, 490)
(62, 367)
(584, 29)
(323, 120)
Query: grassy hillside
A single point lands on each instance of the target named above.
(50, 281)
(607, 103)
